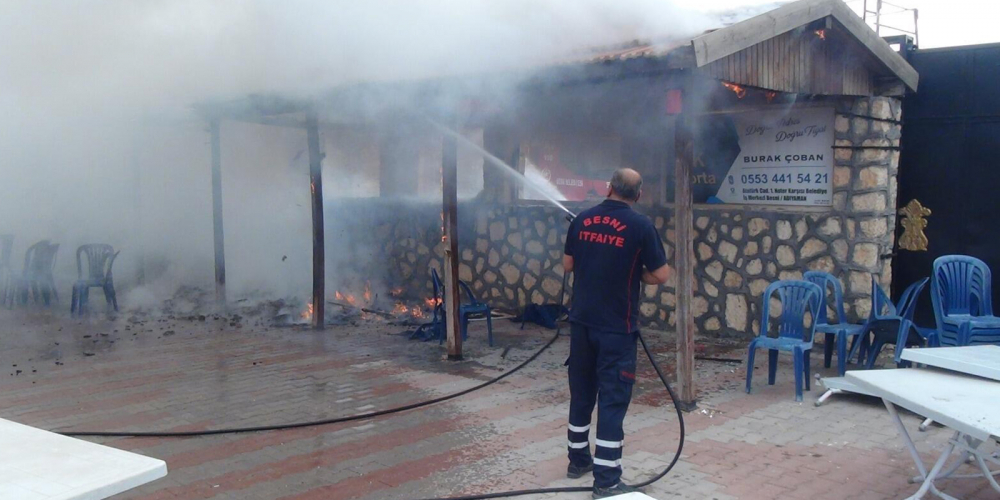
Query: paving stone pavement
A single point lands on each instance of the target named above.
(190, 374)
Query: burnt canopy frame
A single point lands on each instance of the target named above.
(273, 111)
(318, 236)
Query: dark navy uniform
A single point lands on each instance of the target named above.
(610, 245)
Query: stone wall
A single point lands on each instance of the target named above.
(511, 254)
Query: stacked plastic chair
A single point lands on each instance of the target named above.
(37, 279)
(962, 297)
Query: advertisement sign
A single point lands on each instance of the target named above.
(573, 172)
(779, 158)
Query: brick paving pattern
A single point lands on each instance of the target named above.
(174, 374)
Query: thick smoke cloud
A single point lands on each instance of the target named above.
(100, 143)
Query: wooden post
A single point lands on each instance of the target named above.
(139, 247)
(316, 192)
(220, 247)
(449, 207)
(684, 258)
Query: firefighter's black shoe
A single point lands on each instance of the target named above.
(575, 472)
(618, 489)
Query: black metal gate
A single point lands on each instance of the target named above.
(950, 162)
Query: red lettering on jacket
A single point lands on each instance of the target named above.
(606, 239)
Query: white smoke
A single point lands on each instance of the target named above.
(99, 142)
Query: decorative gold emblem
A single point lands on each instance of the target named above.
(913, 237)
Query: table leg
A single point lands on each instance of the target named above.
(925, 424)
(963, 458)
(826, 395)
(928, 484)
(970, 447)
(928, 477)
(988, 473)
(906, 438)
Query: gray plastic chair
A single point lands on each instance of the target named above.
(36, 280)
(100, 259)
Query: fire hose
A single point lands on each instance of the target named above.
(422, 404)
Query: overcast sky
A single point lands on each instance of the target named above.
(943, 23)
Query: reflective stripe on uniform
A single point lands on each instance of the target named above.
(574, 428)
(608, 463)
(578, 446)
(609, 444)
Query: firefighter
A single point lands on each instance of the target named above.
(610, 248)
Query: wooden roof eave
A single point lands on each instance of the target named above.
(726, 41)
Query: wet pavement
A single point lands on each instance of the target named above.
(197, 372)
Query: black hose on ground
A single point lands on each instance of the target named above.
(421, 404)
(312, 423)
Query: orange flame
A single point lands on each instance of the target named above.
(821, 34)
(348, 298)
(396, 292)
(307, 314)
(368, 292)
(771, 95)
(738, 90)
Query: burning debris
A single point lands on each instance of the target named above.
(366, 305)
(740, 91)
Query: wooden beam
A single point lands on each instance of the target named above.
(449, 207)
(316, 191)
(220, 247)
(684, 258)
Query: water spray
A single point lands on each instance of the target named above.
(499, 163)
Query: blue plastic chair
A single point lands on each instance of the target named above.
(841, 330)
(475, 307)
(962, 298)
(435, 328)
(465, 311)
(36, 280)
(896, 326)
(797, 298)
(100, 262)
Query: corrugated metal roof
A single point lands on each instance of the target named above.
(630, 50)
(662, 46)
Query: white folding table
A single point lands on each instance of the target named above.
(980, 360)
(966, 403)
(41, 465)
